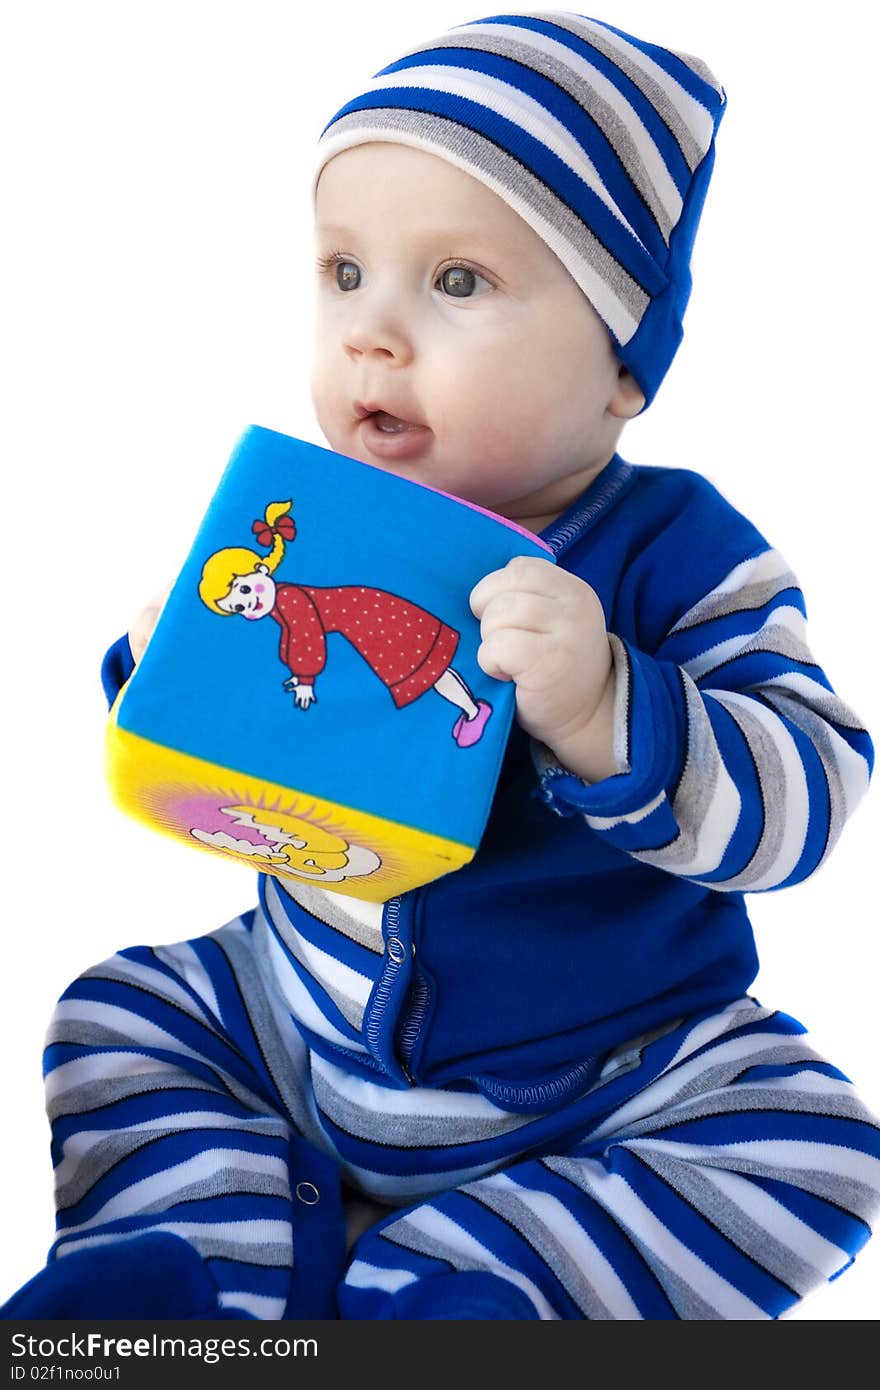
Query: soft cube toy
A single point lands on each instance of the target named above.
(310, 702)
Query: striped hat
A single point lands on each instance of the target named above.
(602, 143)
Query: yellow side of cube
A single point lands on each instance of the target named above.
(274, 829)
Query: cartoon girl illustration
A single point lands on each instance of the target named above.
(408, 648)
(292, 843)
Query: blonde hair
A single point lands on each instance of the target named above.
(225, 566)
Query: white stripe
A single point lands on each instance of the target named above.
(693, 113)
(417, 1100)
(205, 1166)
(790, 618)
(183, 958)
(328, 970)
(261, 1305)
(778, 1221)
(794, 810)
(516, 106)
(631, 817)
(366, 913)
(585, 1254)
(301, 1003)
(137, 1031)
(616, 1195)
(612, 310)
(438, 1226)
(235, 1232)
(717, 1025)
(721, 817)
(132, 1200)
(655, 1098)
(397, 1189)
(102, 1066)
(851, 765)
(802, 1155)
(361, 1275)
(758, 570)
(77, 1146)
(148, 976)
(806, 1082)
(583, 71)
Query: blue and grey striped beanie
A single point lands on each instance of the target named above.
(602, 143)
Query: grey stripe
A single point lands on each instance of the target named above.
(317, 904)
(758, 1243)
(517, 1214)
(804, 717)
(272, 1254)
(750, 596)
(473, 149)
(824, 702)
(247, 955)
(684, 1298)
(702, 769)
(268, 1254)
(715, 1076)
(775, 639)
(771, 776)
(621, 702)
(403, 1233)
(94, 1095)
(352, 1010)
(410, 1130)
(104, 1155)
(106, 971)
(857, 1197)
(87, 1034)
(577, 85)
(700, 68)
(629, 65)
(750, 1098)
(219, 1183)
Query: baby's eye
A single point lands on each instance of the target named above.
(245, 589)
(459, 281)
(348, 275)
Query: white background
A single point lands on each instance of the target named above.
(157, 271)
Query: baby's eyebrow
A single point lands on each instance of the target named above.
(444, 234)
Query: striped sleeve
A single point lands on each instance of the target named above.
(739, 764)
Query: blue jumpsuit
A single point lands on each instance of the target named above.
(546, 1066)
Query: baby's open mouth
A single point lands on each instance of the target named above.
(392, 424)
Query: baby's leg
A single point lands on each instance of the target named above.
(177, 1109)
(745, 1174)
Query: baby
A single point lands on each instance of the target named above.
(537, 1087)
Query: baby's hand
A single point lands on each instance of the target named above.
(544, 628)
(141, 629)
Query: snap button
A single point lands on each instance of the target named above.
(396, 949)
(308, 1193)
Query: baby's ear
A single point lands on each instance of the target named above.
(260, 568)
(628, 398)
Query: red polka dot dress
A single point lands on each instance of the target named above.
(406, 646)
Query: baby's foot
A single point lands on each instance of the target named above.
(467, 732)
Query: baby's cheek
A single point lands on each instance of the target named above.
(260, 588)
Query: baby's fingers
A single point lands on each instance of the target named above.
(144, 624)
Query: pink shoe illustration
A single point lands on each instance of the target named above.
(467, 732)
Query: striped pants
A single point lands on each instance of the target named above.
(720, 1169)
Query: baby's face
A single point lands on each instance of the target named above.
(445, 309)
